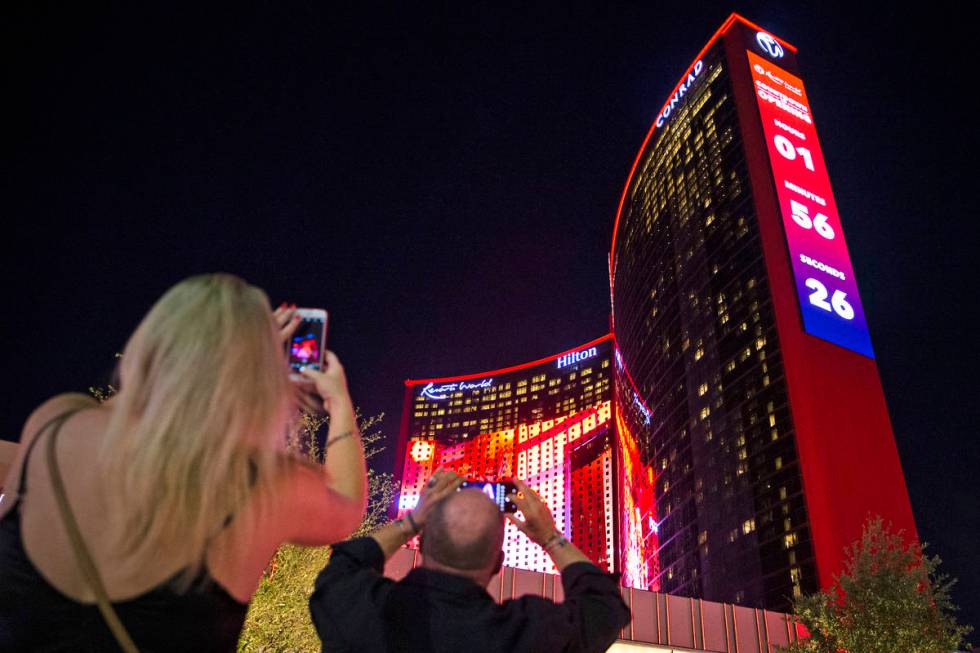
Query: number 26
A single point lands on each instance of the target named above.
(837, 304)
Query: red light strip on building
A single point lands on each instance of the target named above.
(653, 127)
(513, 368)
(629, 377)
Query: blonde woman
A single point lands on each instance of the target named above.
(146, 522)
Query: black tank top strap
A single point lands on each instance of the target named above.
(55, 423)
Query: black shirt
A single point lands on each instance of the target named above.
(34, 616)
(355, 608)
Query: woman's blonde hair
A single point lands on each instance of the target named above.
(198, 421)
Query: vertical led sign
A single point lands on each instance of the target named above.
(825, 283)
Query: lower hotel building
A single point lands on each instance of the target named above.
(554, 423)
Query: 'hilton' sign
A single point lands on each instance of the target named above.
(576, 356)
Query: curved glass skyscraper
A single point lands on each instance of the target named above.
(741, 335)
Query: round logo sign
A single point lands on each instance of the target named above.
(769, 44)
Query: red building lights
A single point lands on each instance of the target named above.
(551, 423)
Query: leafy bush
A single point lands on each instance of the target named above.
(889, 598)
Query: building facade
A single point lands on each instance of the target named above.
(553, 423)
(743, 362)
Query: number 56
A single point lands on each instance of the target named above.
(801, 216)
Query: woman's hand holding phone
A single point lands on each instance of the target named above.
(287, 319)
(330, 384)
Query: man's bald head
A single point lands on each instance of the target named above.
(465, 531)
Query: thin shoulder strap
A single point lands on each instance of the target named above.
(57, 419)
(82, 556)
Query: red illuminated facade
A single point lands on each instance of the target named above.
(554, 423)
(743, 367)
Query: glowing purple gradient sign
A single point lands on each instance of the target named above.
(825, 284)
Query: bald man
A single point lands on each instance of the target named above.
(444, 605)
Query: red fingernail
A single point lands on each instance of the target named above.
(282, 305)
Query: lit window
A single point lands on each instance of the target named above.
(703, 388)
(748, 526)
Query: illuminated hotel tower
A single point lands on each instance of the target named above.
(741, 337)
(552, 422)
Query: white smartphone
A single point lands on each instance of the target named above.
(308, 345)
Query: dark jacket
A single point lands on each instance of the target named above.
(356, 608)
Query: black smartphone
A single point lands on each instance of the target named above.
(307, 346)
(500, 492)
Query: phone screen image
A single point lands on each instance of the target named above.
(499, 492)
(306, 344)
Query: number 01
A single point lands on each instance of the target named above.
(790, 151)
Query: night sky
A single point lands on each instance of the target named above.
(444, 180)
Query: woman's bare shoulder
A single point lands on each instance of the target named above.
(32, 428)
(51, 408)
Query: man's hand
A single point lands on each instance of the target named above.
(393, 534)
(538, 524)
(441, 485)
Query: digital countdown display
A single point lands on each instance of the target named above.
(825, 284)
